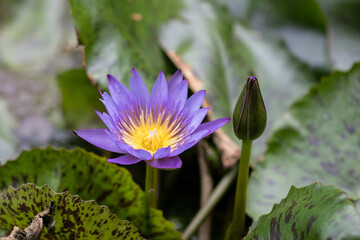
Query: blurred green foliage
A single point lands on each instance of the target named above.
(289, 46)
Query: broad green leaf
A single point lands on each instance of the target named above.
(92, 178)
(34, 35)
(120, 35)
(322, 33)
(318, 141)
(301, 24)
(7, 141)
(343, 34)
(223, 54)
(75, 218)
(312, 212)
(79, 99)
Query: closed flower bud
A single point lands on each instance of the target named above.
(249, 117)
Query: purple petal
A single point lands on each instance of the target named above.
(138, 87)
(124, 160)
(106, 119)
(159, 93)
(175, 79)
(139, 153)
(196, 119)
(178, 95)
(166, 163)
(194, 102)
(110, 105)
(99, 138)
(162, 152)
(193, 139)
(212, 126)
(118, 91)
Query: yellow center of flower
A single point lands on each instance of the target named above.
(151, 140)
(152, 129)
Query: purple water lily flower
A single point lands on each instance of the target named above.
(154, 127)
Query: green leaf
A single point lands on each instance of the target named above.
(7, 141)
(312, 212)
(223, 54)
(75, 218)
(317, 141)
(322, 33)
(79, 99)
(34, 35)
(120, 35)
(343, 35)
(92, 178)
(301, 24)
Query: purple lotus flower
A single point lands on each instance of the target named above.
(154, 127)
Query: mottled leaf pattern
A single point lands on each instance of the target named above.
(319, 141)
(313, 212)
(75, 218)
(92, 178)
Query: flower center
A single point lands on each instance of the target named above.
(152, 129)
(151, 141)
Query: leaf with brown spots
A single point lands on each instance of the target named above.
(312, 212)
(318, 141)
(75, 218)
(93, 178)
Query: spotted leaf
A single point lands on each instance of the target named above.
(312, 212)
(319, 140)
(75, 218)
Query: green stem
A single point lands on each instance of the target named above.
(215, 197)
(152, 185)
(238, 223)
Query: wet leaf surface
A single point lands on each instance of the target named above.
(318, 141)
(312, 212)
(120, 35)
(92, 178)
(321, 33)
(223, 54)
(75, 218)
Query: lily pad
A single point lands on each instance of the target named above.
(120, 35)
(318, 141)
(75, 218)
(223, 53)
(79, 99)
(93, 178)
(322, 33)
(7, 142)
(312, 212)
(35, 35)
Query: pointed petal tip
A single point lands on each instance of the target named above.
(111, 78)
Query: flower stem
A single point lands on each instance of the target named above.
(238, 222)
(152, 185)
(215, 197)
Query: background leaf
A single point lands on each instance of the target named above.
(75, 219)
(312, 212)
(120, 35)
(79, 99)
(7, 142)
(92, 178)
(35, 34)
(223, 54)
(318, 141)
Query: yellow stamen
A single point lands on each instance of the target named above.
(151, 141)
(151, 129)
